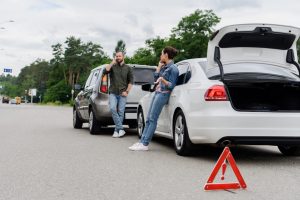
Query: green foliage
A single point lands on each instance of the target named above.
(9, 86)
(190, 37)
(192, 33)
(143, 56)
(34, 76)
(58, 92)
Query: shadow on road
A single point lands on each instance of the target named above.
(243, 153)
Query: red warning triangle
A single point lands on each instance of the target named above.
(226, 155)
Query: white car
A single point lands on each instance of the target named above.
(247, 91)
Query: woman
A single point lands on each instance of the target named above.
(166, 76)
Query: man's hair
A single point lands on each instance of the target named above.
(171, 51)
(120, 52)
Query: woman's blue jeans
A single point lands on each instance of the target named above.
(157, 104)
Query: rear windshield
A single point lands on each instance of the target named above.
(260, 38)
(257, 70)
(143, 75)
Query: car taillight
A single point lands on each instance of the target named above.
(104, 84)
(216, 93)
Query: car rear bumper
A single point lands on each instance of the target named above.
(244, 127)
(260, 140)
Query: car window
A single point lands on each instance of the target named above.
(94, 78)
(184, 73)
(143, 75)
(87, 83)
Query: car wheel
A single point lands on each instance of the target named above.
(140, 123)
(132, 125)
(181, 139)
(93, 123)
(289, 150)
(77, 122)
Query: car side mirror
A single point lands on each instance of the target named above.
(147, 87)
(77, 87)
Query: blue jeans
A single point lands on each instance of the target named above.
(117, 105)
(156, 106)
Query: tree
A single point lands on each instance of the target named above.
(58, 92)
(121, 46)
(72, 64)
(34, 76)
(192, 33)
(190, 37)
(143, 56)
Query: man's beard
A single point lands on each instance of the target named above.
(119, 62)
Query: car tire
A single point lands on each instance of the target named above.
(289, 150)
(93, 123)
(181, 139)
(132, 125)
(77, 122)
(140, 122)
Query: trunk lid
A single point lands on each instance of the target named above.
(257, 43)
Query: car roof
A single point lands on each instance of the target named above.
(193, 60)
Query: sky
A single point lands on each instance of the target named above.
(38, 24)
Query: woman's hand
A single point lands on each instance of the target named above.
(158, 80)
(159, 66)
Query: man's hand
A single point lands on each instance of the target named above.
(124, 94)
(108, 67)
(113, 62)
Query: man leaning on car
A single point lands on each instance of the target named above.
(121, 79)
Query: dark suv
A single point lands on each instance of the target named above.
(92, 102)
(5, 99)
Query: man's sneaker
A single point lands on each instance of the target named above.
(121, 133)
(139, 147)
(115, 135)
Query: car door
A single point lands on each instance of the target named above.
(165, 119)
(81, 97)
(88, 92)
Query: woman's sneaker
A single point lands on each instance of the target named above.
(139, 147)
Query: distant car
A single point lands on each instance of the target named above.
(5, 99)
(247, 91)
(13, 101)
(92, 103)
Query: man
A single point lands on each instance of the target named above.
(121, 79)
(166, 77)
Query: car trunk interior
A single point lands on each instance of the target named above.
(260, 95)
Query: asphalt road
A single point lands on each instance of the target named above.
(42, 157)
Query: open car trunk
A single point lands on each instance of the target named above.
(264, 95)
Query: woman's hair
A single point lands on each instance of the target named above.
(171, 51)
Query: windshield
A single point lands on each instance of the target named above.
(143, 75)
